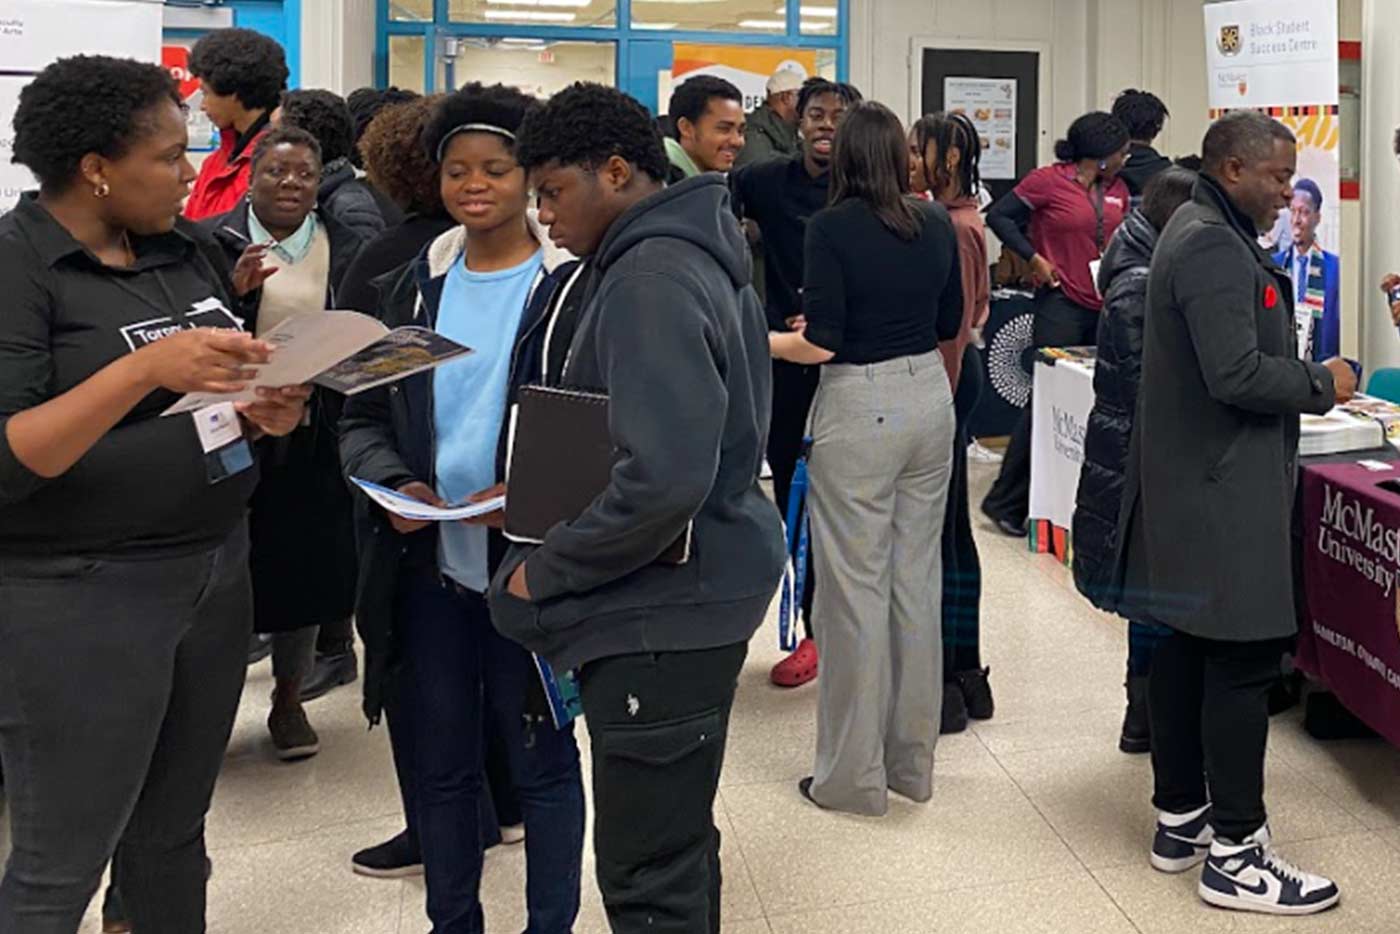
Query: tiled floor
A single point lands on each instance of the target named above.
(1038, 824)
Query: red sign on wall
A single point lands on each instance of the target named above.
(176, 59)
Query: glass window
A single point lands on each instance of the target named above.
(568, 13)
(407, 61)
(758, 16)
(538, 67)
(819, 19)
(411, 10)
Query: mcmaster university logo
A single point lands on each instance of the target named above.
(1229, 43)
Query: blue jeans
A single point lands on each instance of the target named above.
(458, 672)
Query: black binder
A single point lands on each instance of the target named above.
(560, 459)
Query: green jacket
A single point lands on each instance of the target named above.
(769, 137)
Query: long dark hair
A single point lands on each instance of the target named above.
(951, 131)
(871, 163)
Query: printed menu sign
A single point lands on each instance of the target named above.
(990, 103)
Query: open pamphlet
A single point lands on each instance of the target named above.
(344, 351)
(409, 508)
(1363, 423)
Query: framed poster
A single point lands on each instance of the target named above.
(990, 103)
(34, 33)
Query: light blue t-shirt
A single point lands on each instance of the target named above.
(481, 310)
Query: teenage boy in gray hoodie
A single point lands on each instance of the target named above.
(673, 332)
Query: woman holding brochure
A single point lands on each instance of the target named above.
(125, 604)
(433, 660)
(288, 259)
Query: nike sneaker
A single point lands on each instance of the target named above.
(1182, 841)
(1251, 877)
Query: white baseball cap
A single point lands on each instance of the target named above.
(784, 80)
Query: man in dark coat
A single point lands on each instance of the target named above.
(1207, 508)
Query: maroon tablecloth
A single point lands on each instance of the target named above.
(1350, 640)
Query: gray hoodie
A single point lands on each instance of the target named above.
(676, 337)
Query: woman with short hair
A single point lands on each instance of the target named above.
(125, 604)
(882, 290)
(289, 258)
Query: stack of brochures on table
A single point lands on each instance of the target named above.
(1378, 410)
(1362, 424)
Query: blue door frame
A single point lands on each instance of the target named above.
(641, 53)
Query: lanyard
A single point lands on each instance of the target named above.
(1098, 215)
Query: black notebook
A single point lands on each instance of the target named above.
(559, 461)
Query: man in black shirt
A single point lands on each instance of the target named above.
(779, 196)
(1144, 114)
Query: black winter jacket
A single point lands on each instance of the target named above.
(1117, 370)
(349, 199)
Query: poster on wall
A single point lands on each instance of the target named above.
(1280, 57)
(204, 136)
(33, 33)
(746, 67)
(990, 103)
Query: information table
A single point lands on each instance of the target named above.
(1350, 638)
(1060, 406)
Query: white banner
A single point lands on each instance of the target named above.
(1280, 56)
(1062, 400)
(34, 33)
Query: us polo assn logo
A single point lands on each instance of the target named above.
(1229, 42)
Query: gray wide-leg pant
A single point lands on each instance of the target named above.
(880, 467)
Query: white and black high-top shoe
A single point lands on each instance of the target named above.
(1250, 876)
(1182, 841)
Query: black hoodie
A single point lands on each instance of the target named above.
(675, 335)
(1142, 166)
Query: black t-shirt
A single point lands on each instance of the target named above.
(143, 488)
(871, 296)
(780, 196)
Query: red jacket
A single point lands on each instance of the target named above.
(224, 178)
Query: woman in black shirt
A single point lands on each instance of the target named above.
(882, 289)
(124, 599)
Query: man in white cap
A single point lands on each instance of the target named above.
(772, 129)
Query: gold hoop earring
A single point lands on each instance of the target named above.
(103, 190)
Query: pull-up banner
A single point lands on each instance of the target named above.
(1280, 57)
(35, 33)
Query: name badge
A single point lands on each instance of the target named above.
(226, 452)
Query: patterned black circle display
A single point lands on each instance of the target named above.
(1006, 351)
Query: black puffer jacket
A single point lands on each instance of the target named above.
(1123, 284)
(349, 199)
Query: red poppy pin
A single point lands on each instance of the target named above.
(1270, 297)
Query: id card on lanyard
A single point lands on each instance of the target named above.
(226, 451)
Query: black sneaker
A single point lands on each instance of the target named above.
(114, 919)
(1006, 526)
(331, 672)
(1182, 841)
(954, 710)
(977, 692)
(1137, 727)
(1251, 877)
(393, 859)
(292, 734)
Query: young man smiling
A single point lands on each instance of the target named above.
(672, 332)
(708, 114)
(779, 196)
